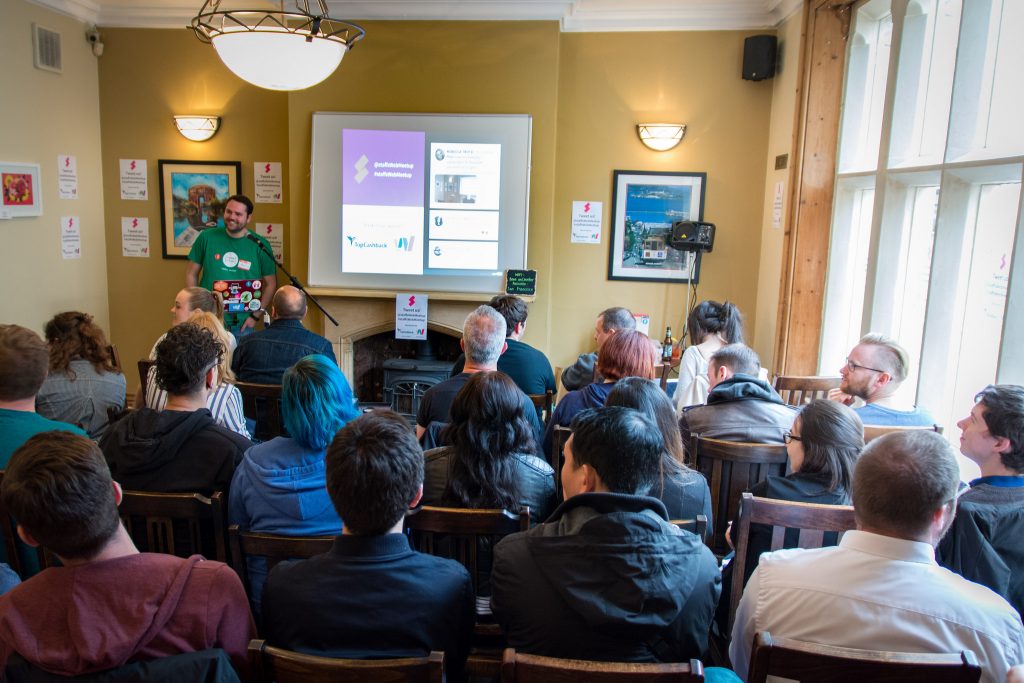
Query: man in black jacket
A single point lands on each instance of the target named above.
(608, 577)
(181, 448)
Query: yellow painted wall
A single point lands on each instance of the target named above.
(147, 76)
(610, 82)
(43, 115)
(780, 141)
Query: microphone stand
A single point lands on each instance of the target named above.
(294, 280)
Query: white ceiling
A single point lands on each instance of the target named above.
(574, 15)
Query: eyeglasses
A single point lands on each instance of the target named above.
(853, 366)
(790, 437)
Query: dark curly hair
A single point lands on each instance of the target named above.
(183, 356)
(488, 427)
(72, 335)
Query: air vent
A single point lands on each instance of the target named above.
(47, 48)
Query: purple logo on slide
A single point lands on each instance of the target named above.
(382, 167)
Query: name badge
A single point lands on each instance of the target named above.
(244, 265)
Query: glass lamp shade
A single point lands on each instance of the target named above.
(197, 128)
(277, 59)
(660, 137)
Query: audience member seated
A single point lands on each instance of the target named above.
(24, 360)
(83, 382)
(880, 588)
(225, 403)
(711, 326)
(585, 369)
(181, 448)
(984, 544)
(280, 486)
(528, 367)
(684, 492)
(607, 577)
(483, 341)
(874, 371)
(372, 596)
(626, 353)
(824, 443)
(262, 357)
(490, 460)
(740, 407)
(108, 604)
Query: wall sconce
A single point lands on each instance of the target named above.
(660, 137)
(197, 128)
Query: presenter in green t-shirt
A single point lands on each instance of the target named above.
(230, 254)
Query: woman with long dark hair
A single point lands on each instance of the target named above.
(684, 491)
(82, 383)
(710, 326)
(490, 460)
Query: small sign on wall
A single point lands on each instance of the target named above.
(135, 236)
(267, 177)
(134, 179)
(274, 232)
(70, 237)
(411, 316)
(67, 177)
(521, 282)
(586, 222)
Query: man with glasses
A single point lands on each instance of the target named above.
(880, 588)
(874, 371)
(984, 544)
(181, 448)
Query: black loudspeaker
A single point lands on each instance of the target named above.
(759, 57)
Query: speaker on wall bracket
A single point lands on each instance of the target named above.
(759, 54)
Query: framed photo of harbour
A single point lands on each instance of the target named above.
(645, 204)
(192, 198)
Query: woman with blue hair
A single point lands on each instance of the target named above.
(280, 487)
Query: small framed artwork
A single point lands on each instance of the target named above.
(21, 190)
(192, 198)
(645, 204)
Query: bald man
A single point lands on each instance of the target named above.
(262, 357)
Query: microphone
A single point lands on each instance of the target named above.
(253, 238)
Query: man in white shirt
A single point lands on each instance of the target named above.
(881, 588)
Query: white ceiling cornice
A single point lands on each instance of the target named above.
(573, 15)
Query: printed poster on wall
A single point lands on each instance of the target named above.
(134, 179)
(70, 237)
(267, 175)
(643, 323)
(67, 177)
(274, 232)
(586, 222)
(135, 237)
(411, 316)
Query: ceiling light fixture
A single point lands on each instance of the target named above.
(660, 137)
(277, 50)
(197, 128)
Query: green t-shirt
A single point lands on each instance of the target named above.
(223, 257)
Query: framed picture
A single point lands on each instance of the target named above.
(21, 190)
(192, 198)
(645, 204)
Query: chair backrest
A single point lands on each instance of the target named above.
(732, 467)
(810, 521)
(559, 436)
(543, 402)
(204, 665)
(801, 661)
(262, 402)
(872, 432)
(144, 366)
(115, 357)
(522, 668)
(461, 529)
(798, 390)
(273, 547)
(273, 664)
(174, 523)
(698, 525)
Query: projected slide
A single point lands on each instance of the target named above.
(382, 208)
(465, 191)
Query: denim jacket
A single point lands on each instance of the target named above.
(262, 357)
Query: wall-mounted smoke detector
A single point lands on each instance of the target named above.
(46, 52)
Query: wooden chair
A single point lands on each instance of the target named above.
(523, 668)
(544, 402)
(796, 660)
(115, 357)
(809, 520)
(275, 548)
(144, 366)
(262, 402)
(697, 525)
(273, 664)
(732, 467)
(456, 533)
(174, 523)
(559, 437)
(799, 390)
(872, 432)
